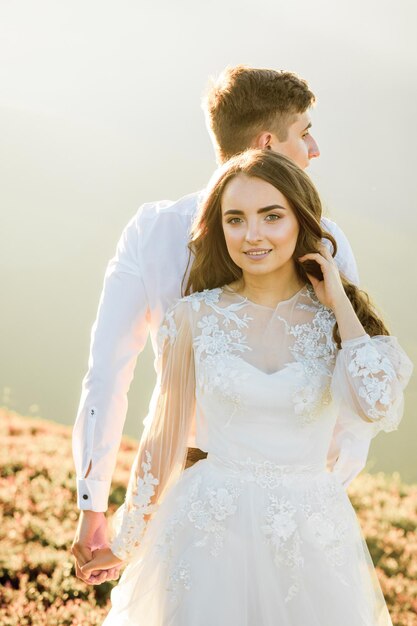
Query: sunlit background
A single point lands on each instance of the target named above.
(100, 112)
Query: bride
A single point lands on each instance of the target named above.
(269, 350)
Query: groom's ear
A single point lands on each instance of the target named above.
(262, 141)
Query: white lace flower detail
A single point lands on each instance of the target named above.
(208, 513)
(329, 524)
(310, 395)
(281, 523)
(208, 296)
(219, 505)
(215, 343)
(281, 531)
(167, 331)
(304, 398)
(133, 524)
(179, 578)
(315, 351)
(177, 572)
(330, 536)
(216, 349)
(208, 324)
(269, 475)
(376, 373)
(222, 504)
(213, 340)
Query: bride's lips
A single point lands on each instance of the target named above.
(257, 254)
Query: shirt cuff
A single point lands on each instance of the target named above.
(93, 495)
(354, 342)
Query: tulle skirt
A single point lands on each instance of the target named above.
(251, 547)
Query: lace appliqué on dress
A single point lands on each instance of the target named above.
(328, 525)
(167, 331)
(269, 475)
(208, 296)
(315, 350)
(178, 572)
(320, 516)
(133, 524)
(180, 578)
(222, 340)
(217, 346)
(376, 373)
(281, 530)
(207, 512)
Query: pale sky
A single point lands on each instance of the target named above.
(100, 111)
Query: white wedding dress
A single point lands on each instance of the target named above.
(259, 533)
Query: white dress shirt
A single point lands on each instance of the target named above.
(142, 281)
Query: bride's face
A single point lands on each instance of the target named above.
(259, 225)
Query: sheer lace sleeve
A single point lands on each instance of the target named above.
(369, 378)
(163, 446)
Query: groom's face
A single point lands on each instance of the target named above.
(300, 145)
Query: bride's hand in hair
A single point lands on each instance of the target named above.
(330, 290)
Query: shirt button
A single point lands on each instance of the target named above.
(85, 497)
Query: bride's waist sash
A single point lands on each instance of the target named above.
(265, 473)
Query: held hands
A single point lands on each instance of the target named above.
(103, 559)
(91, 537)
(330, 290)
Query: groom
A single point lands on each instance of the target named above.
(245, 107)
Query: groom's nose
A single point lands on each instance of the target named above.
(313, 148)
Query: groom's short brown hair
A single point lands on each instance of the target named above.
(244, 101)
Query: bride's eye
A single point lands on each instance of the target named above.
(234, 220)
(272, 217)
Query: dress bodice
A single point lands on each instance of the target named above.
(263, 377)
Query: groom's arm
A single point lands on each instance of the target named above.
(118, 335)
(345, 258)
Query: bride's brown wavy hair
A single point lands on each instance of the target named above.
(213, 267)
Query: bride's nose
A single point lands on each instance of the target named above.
(253, 233)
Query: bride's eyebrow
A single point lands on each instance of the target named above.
(264, 209)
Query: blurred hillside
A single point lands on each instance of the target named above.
(38, 517)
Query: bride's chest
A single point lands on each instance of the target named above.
(266, 365)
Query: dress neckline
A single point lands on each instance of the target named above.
(228, 289)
